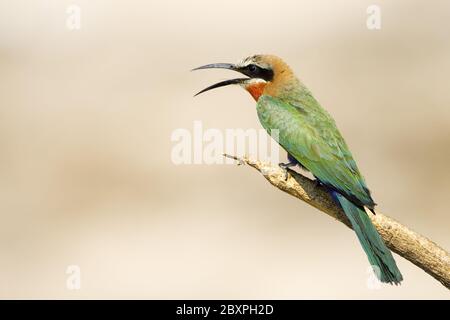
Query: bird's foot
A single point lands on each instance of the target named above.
(318, 183)
(285, 166)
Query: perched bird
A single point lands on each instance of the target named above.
(310, 137)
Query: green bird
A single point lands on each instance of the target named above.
(310, 136)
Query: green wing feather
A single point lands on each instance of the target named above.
(310, 135)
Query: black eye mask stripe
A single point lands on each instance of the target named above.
(254, 71)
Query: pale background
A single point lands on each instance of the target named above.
(85, 123)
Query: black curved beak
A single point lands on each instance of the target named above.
(228, 66)
(223, 84)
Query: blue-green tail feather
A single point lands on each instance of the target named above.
(377, 252)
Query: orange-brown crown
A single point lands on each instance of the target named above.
(283, 79)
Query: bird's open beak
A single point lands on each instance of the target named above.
(228, 66)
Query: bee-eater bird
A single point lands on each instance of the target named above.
(310, 136)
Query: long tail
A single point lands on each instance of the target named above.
(377, 252)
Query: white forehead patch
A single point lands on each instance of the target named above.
(246, 61)
(256, 59)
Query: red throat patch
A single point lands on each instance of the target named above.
(256, 89)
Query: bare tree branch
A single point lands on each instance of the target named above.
(421, 251)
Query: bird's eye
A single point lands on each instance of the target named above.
(252, 68)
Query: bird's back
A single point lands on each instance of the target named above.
(310, 135)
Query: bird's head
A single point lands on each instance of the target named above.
(266, 74)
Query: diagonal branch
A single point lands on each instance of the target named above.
(412, 246)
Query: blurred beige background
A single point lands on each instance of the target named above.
(85, 123)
